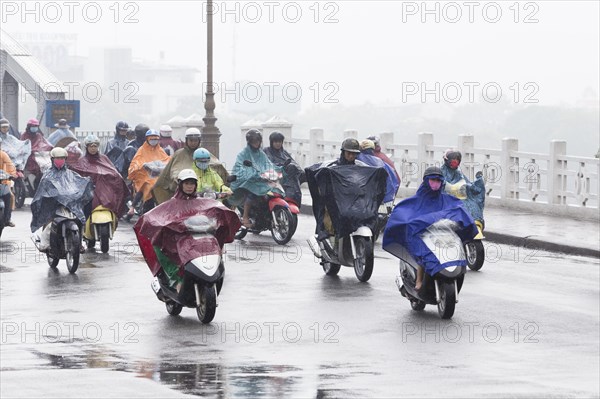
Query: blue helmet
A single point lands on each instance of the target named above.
(201, 154)
(152, 132)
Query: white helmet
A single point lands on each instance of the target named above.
(186, 174)
(58, 152)
(166, 131)
(193, 132)
(91, 139)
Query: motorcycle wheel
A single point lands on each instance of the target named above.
(447, 300)
(208, 304)
(475, 254)
(294, 223)
(282, 232)
(363, 264)
(104, 237)
(417, 305)
(331, 269)
(20, 193)
(72, 251)
(1, 221)
(173, 308)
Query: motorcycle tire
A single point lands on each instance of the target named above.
(20, 193)
(447, 300)
(363, 264)
(104, 237)
(282, 232)
(241, 233)
(475, 254)
(72, 251)
(294, 224)
(208, 304)
(1, 221)
(173, 308)
(52, 261)
(331, 269)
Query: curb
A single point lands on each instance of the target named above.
(516, 241)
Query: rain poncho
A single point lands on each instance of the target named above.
(293, 173)
(110, 190)
(379, 154)
(60, 187)
(350, 194)
(473, 194)
(17, 150)
(170, 145)
(130, 151)
(142, 179)
(60, 134)
(115, 152)
(412, 216)
(166, 185)
(209, 180)
(38, 144)
(167, 227)
(248, 177)
(392, 181)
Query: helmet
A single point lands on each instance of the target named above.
(121, 126)
(201, 153)
(152, 132)
(276, 136)
(91, 139)
(140, 130)
(193, 132)
(351, 145)
(433, 171)
(186, 174)
(33, 122)
(367, 144)
(452, 158)
(374, 139)
(4, 121)
(166, 131)
(58, 152)
(252, 135)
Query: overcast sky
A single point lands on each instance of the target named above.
(376, 51)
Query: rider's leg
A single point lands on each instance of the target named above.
(420, 274)
(8, 210)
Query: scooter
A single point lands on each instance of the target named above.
(100, 226)
(61, 239)
(443, 288)
(271, 212)
(355, 250)
(4, 190)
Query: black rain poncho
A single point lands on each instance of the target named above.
(293, 174)
(60, 187)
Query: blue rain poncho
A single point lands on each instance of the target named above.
(472, 193)
(60, 134)
(60, 187)
(293, 173)
(248, 177)
(392, 182)
(411, 217)
(115, 152)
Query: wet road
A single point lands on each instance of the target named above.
(526, 325)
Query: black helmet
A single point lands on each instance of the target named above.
(252, 135)
(276, 136)
(120, 126)
(450, 156)
(140, 131)
(351, 145)
(433, 171)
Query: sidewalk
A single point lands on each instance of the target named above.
(526, 229)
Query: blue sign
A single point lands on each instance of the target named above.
(62, 109)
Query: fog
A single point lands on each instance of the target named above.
(493, 69)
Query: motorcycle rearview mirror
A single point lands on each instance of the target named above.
(231, 178)
(247, 163)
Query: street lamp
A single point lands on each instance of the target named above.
(210, 133)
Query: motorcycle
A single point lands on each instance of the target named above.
(474, 249)
(443, 288)
(61, 239)
(154, 169)
(383, 215)
(272, 212)
(197, 237)
(4, 190)
(100, 226)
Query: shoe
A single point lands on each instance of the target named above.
(11, 224)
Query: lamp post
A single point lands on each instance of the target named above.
(210, 133)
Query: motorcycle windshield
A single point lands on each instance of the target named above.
(17, 150)
(110, 189)
(60, 188)
(351, 194)
(171, 224)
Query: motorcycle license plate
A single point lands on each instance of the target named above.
(155, 285)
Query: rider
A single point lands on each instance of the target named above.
(115, 147)
(17, 150)
(294, 174)
(62, 131)
(140, 170)
(38, 144)
(367, 156)
(379, 154)
(208, 179)
(134, 145)
(166, 142)
(166, 185)
(7, 166)
(249, 184)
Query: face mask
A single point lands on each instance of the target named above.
(454, 163)
(435, 184)
(59, 163)
(202, 165)
(153, 142)
(34, 129)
